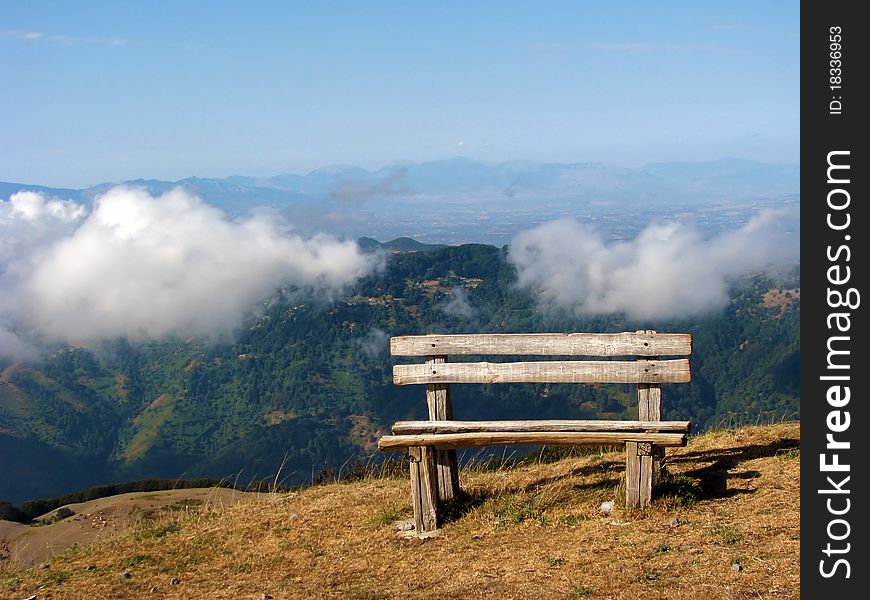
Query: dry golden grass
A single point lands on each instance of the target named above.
(102, 519)
(533, 531)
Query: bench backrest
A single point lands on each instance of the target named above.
(647, 346)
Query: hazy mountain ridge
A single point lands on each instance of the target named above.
(459, 199)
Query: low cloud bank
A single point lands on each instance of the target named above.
(669, 270)
(146, 267)
(375, 343)
(459, 305)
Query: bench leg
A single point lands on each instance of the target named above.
(424, 488)
(448, 475)
(441, 409)
(632, 476)
(414, 453)
(649, 408)
(639, 468)
(647, 464)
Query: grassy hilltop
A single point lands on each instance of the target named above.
(726, 526)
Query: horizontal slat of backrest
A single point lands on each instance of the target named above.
(554, 371)
(531, 438)
(545, 344)
(419, 427)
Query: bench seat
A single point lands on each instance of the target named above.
(451, 435)
(453, 441)
(415, 427)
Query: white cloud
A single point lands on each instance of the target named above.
(669, 270)
(60, 38)
(29, 225)
(375, 343)
(617, 46)
(458, 306)
(146, 267)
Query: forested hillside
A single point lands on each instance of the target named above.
(306, 384)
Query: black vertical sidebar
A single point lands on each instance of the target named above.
(835, 420)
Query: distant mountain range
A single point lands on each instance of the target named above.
(460, 200)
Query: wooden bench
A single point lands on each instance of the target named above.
(432, 444)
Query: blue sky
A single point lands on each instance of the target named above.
(106, 91)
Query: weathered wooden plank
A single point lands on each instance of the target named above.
(441, 409)
(649, 401)
(418, 427)
(416, 498)
(649, 407)
(649, 404)
(546, 344)
(632, 476)
(589, 371)
(647, 475)
(428, 490)
(529, 438)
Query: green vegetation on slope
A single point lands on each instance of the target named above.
(306, 385)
